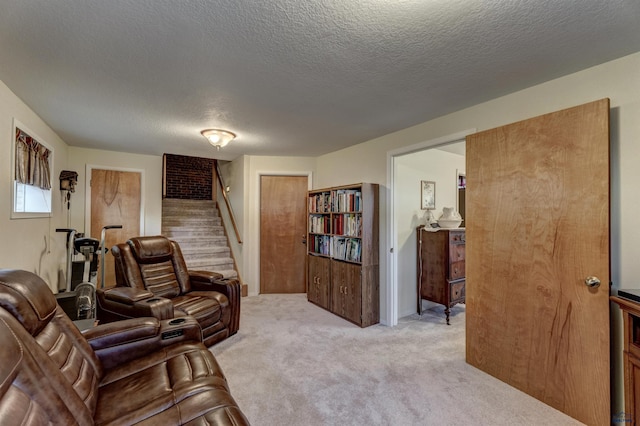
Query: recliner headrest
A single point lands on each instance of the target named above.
(28, 298)
(151, 249)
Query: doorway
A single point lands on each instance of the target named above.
(401, 295)
(113, 197)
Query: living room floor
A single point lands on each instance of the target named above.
(293, 363)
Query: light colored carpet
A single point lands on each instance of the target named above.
(293, 363)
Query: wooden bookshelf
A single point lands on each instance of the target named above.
(343, 242)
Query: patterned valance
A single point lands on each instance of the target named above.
(32, 161)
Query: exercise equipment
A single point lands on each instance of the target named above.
(82, 269)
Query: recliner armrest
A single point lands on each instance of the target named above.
(205, 276)
(127, 302)
(120, 342)
(231, 288)
(207, 281)
(126, 295)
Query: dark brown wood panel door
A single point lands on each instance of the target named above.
(537, 227)
(115, 200)
(319, 279)
(338, 282)
(283, 228)
(346, 296)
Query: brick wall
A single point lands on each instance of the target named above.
(188, 177)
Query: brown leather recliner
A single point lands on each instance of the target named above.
(139, 371)
(152, 280)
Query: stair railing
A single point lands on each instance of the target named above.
(227, 202)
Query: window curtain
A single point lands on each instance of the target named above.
(32, 161)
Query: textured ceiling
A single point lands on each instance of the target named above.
(289, 77)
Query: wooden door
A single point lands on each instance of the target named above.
(537, 226)
(115, 200)
(283, 227)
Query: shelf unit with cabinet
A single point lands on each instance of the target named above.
(342, 262)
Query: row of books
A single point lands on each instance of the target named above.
(346, 200)
(340, 200)
(347, 249)
(344, 224)
(340, 248)
(320, 203)
(319, 225)
(320, 244)
(347, 224)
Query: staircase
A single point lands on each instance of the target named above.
(197, 227)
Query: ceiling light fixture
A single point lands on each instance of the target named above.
(217, 137)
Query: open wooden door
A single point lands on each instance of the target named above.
(537, 228)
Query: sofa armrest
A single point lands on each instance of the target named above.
(230, 287)
(120, 303)
(120, 342)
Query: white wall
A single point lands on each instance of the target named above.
(434, 165)
(256, 166)
(151, 167)
(30, 244)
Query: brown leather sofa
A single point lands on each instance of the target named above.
(152, 279)
(140, 371)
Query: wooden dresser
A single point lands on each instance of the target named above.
(441, 277)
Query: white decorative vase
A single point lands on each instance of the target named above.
(450, 218)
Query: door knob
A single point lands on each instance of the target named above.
(592, 282)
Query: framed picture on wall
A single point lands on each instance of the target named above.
(428, 191)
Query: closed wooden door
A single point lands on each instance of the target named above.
(283, 227)
(115, 200)
(537, 227)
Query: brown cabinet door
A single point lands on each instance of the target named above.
(346, 290)
(318, 284)
(352, 293)
(632, 387)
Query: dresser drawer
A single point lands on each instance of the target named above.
(456, 291)
(456, 270)
(456, 252)
(456, 237)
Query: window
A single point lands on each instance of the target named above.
(32, 163)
